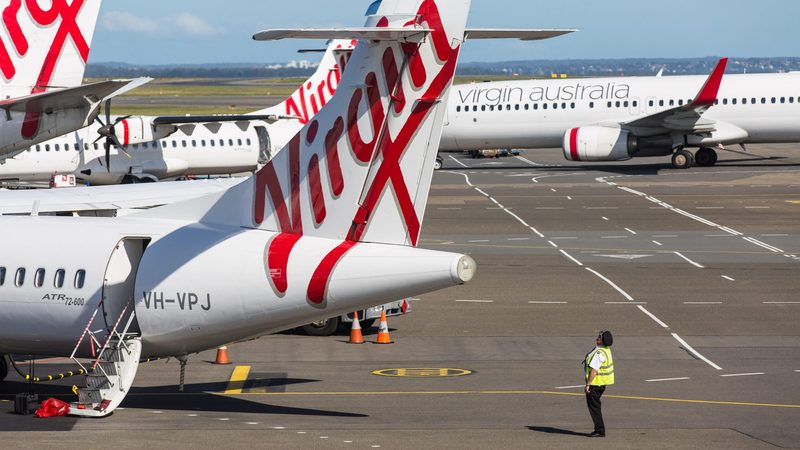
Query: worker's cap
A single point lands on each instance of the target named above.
(606, 338)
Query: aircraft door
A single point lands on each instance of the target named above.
(264, 145)
(120, 279)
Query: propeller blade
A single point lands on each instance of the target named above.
(107, 147)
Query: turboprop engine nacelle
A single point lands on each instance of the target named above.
(596, 143)
(136, 130)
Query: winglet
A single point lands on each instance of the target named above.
(708, 95)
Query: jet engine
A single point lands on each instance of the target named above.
(135, 130)
(597, 143)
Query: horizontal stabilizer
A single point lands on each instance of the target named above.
(179, 120)
(76, 97)
(369, 33)
(515, 33)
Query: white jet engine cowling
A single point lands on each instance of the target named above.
(597, 143)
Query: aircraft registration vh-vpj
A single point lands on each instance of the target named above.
(328, 226)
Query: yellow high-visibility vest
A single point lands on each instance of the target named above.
(605, 375)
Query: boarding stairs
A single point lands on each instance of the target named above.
(111, 374)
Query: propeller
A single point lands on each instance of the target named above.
(107, 131)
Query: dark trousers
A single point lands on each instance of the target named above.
(595, 407)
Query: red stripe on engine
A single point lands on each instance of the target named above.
(126, 133)
(573, 144)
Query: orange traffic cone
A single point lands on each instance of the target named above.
(222, 356)
(355, 331)
(383, 331)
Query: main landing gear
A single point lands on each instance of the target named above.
(683, 159)
(705, 157)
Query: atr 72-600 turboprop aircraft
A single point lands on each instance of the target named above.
(328, 226)
(615, 119)
(139, 149)
(42, 58)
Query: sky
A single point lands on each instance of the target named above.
(210, 31)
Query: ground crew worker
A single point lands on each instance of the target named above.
(599, 368)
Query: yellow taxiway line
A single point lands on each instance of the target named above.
(238, 377)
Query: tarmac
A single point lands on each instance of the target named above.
(694, 271)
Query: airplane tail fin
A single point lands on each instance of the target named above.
(47, 47)
(318, 89)
(360, 170)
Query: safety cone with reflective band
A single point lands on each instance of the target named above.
(222, 356)
(383, 331)
(355, 331)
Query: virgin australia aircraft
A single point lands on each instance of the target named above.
(329, 225)
(615, 119)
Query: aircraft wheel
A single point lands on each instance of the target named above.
(324, 327)
(705, 157)
(682, 159)
(439, 163)
(3, 367)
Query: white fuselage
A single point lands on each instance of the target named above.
(197, 149)
(537, 113)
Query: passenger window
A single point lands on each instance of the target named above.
(222, 142)
(572, 105)
(783, 99)
(535, 106)
(617, 104)
(475, 108)
(555, 105)
(174, 144)
(651, 103)
(38, 278)
(458, 109)
(661, 103)
(527, 107)
(635, 103)
(672, 102)
(680, 102)
(763, 100)
(508, 107)
(733, 101)
(483, 107)
(724, 101)
(57, 147)
(77, 147)
(2, 275)
(591, 105)
(19, 279)
(80, 278)
(625, 104)
(248, 141)
(516, 107)
(194, 143)
(183, 143)
(544, 105)
(202, 143)
(563, 106)
(38, 148)
(47, 147)
(230, 142)
(58, 281)
(773, 100)
(211, 141)
(239, 141)
(791, 99)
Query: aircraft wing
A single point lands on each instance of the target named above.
(108, 198)
(511, 33)
(689, 117)
(183, 120)
(70, 97)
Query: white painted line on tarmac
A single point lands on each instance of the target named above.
(625, 303)
(613, 237)
(699, 266)
(798, 371)
(630, 231)
(553, 244)
(709, 207)
(553, 190)
(665, 235)
(547, 303)
(728, 278)
(605, 218)
(611, 283)
(695, 352)
(571, 258)
(781, 303)
(652, 316)
(537, 232)
(658, 243)
(550, 207)
(478, 240)
(654, 380)
(448, 209)
(756, 207)
(563, 237)
(527, 161)
(702, 303)
(602, 207)
(459, 162)
(474, 301)
(763, 245)
(730, 230)
(519, 239)
(569, 198)
(718, 235)
(570, 387)
(763, 235)
(742, 374)
(246, 423)
(481, 191)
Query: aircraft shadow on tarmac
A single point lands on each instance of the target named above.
(551, 430)
(198, 397)
(639, 169)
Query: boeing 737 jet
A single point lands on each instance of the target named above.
(615, 119)
(43, 55)
(328, 226)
